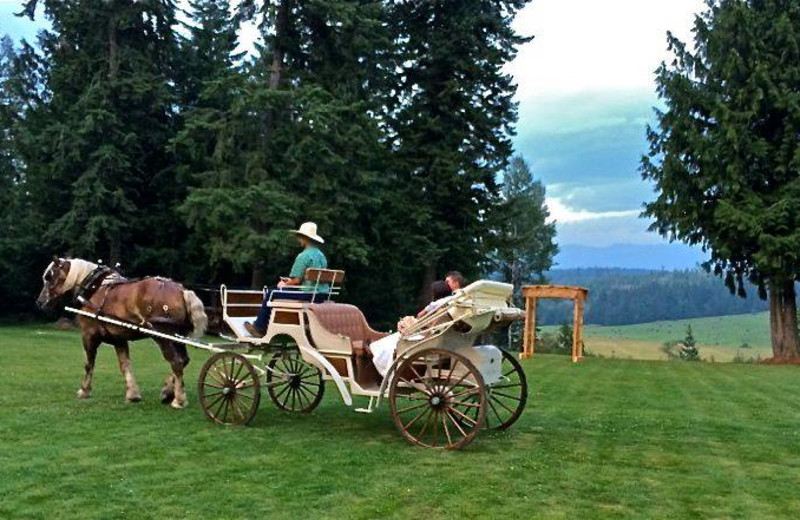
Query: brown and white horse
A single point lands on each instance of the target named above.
(157, 302)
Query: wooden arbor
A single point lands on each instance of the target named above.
(532, 293)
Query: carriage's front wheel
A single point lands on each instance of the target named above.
(438, 399)
(229, 389)
(293, 384)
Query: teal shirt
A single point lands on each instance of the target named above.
(309, 258)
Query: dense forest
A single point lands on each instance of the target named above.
(626, 296)
(142, 133)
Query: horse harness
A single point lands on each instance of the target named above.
(101, 276)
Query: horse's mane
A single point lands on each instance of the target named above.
(78, 271)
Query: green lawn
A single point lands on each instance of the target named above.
(603, 438)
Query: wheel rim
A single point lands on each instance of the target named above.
(438, 399)
(229, 389)
(293, 384)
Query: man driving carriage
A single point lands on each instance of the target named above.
(309, 258)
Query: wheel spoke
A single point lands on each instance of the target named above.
(464, 416)
(415, 419)
(505, 385)
(225, 409)
(216, 401)
(471, 391)
(446, 430)
(507, 396)
(413, 407)
(501, 403)
(455, 423)
(435, 427)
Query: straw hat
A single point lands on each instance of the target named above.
(309, 230)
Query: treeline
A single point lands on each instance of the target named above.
(134, 137)
(626, 296)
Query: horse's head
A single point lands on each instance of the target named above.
(57, 282)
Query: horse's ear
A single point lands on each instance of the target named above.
(56, 259)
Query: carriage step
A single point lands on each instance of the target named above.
(369, 408)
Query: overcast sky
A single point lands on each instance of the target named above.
(586, 92)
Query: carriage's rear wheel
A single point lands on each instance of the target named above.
(507, 397)
(438, 399)
(293, 384)
(229, 389)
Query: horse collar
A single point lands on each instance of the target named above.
(91, 283)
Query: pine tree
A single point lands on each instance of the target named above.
(453, 125)
(98, 163)
(522, 241)
(724, 155)
(689, 350)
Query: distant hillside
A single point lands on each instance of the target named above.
(628, 296)
(630, 256)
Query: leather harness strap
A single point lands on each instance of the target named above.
(91, 284)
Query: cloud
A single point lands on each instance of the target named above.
(563, 213)
(589, 45)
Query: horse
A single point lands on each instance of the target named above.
(152, 302)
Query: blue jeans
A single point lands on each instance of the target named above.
(264, 312)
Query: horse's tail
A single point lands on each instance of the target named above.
(196, 312)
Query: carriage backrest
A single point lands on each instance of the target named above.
(332, 277)
(239, 306)
(486, 294)
(340, 319)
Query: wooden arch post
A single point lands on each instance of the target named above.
(532, 293)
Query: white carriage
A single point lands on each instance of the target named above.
(442, 388)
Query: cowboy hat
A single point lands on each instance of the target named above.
(309, 230)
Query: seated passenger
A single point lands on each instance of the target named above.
(383, 349)
(309, 258)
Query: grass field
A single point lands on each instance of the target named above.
(600, 439)
(719, 338)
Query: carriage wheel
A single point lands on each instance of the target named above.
(506, 398)
(293, 384)
(229, 389)
(438, 399)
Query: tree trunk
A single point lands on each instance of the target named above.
(257, 277)
(783, 320)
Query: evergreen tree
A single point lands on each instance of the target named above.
(522, 240)
(453, 126)
(97, 163)
(725, 157)
(689, 350)
(524, 244)
(22, 253)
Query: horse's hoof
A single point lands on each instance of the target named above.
(167, 396)
(133, 398)
(83, 394)
(179, 405)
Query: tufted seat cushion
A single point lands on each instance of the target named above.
(346, 320)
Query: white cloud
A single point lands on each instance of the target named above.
(562, 213)
(590, 45)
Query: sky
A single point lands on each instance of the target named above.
(586, 91)
(585, 87)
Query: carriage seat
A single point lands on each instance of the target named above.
(341, 319)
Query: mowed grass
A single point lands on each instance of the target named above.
(719, 338)
(600, 439)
